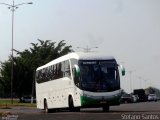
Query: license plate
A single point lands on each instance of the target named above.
(103, 102)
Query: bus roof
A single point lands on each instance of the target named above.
(79, 56)
(91, 56)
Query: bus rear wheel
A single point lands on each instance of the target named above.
(46, 106)
(106, 108)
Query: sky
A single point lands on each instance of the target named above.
(129, 30)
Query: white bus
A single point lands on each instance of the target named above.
(78, 80)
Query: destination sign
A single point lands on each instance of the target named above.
(89, 62)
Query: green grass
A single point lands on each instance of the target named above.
(6, 104)
(1, 113)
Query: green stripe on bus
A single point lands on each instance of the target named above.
(90, 101)
(86, 101)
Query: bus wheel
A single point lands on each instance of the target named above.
(71, 105)
(106, 108)
(70, 102)
(77, 109)
(46, 106)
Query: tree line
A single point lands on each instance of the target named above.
(25, 64)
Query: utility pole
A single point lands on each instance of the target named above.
(130, 73)
(13, 7)
(87, 49)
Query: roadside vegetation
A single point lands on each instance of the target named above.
(25, 64)
(7, 104)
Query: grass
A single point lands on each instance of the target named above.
(1, 113)
(5, 114)
(6, 104)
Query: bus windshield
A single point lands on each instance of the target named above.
(99, 76)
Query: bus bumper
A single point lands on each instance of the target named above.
(87, 101)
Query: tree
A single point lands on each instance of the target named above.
(5, 73)
(26, 62)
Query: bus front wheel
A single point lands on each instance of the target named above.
(71, 105)
(106, 108)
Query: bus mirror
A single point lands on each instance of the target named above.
(77, 71)
(122, 70)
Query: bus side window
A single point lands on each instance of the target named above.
(75, 77)
(67, 69)
(50, 73)
(57, 67)
(53, 72)
(45, 74)
(40, 76)
(63, 69)
(60, 74)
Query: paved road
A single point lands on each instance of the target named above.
(137, 111)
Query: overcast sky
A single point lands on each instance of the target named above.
(129, 30)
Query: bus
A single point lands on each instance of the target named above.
(79, 80)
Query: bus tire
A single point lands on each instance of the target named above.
(71, 105)
(46, 107)
(77, 109)
(106, 108)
